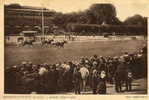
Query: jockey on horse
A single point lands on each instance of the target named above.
(46, 41)
(27, 42)
(59, 43)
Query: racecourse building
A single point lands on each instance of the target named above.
(19, 18)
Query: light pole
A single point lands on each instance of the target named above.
(43, 21)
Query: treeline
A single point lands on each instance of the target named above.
(97, 19)
(96, 14)
(88, 29)
(100, 18)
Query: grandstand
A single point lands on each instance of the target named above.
(19, 18)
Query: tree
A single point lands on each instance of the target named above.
(102, 13)
(59, 19)
(137, 24)
(137, 20)
(14, 5)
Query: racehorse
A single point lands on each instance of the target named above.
(46, 42)
(27, 42)
(59, 44)
(84, 74)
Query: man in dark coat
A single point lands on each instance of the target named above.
(102, 83)
(77, 81)
(129, 81)
(94, 81)
(129, 76)
(54, 79)
(12, 80)
(120, 75)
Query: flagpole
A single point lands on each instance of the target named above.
(43, 21)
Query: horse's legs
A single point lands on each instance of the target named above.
(63, 46)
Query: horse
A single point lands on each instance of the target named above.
(59, 44)
(27, 42)
(46, 42)
(84, 74)
(54, 43)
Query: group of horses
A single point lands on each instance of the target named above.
(52, 42)
(48, 42)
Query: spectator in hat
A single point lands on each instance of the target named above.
(94, 81)
(77, 79)
(102, 83)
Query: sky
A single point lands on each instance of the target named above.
(124, 9)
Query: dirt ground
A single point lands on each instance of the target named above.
(139, 86)
(72, 51)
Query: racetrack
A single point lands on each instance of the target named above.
(71, 51)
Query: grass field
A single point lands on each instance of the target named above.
(71, 51)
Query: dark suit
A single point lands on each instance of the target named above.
(77, 82)
(120, 76)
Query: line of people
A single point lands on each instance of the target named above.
(93, 73)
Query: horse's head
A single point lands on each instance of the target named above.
(65, 41)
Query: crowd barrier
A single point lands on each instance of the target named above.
(14, 39)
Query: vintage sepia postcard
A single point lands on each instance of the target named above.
(74, 49)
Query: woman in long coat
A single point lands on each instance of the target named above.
(94, 81)
(102, 83)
